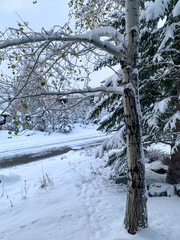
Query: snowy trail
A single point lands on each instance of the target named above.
(81, 203)
(95, 193)
(73, 208)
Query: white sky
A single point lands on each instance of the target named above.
(45, 13)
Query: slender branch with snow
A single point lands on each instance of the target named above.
(92, 37)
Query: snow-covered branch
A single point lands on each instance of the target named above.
(90, 91)
(91, 37)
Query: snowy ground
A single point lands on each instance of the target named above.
(29, 142)
(78, 202)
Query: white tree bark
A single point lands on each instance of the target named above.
(136, 211)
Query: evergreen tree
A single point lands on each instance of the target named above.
(63, 118)
(160, 81)
(42, 120)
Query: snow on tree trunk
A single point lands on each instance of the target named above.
(136, 211)
(173, 174)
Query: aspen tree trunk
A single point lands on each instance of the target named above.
(136, 211)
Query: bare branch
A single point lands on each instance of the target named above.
(17, 94)
(90, 91)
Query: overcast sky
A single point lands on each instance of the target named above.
(45, 13)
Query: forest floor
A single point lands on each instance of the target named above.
(70, 197)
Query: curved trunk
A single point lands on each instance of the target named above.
(136, 211)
